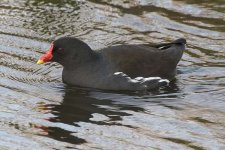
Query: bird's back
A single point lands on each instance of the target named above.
(144, 60)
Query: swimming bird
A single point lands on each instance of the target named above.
(122, 67)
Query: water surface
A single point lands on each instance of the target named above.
(37, 111)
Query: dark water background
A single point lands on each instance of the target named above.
(37, 111)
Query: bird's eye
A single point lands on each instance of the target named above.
(59, 50)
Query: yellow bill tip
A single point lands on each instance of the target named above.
(40, 62)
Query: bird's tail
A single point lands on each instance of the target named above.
(181, 41)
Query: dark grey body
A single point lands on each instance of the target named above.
(97, 71)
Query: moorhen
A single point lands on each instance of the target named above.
(122, 67)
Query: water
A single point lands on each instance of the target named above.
(37, 111)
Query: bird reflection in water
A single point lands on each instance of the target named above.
(79, 106)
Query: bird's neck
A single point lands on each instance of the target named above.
(83, 59)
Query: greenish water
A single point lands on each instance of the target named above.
(37, 111)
